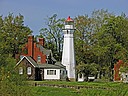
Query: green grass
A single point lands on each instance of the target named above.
(96, 89)
(90, 84)
(50, 91)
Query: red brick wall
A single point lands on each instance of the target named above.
(33, 50)
(37, 53)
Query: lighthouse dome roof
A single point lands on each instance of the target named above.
(69, 19)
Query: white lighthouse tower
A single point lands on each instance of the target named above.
(68, 56)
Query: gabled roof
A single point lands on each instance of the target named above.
(29, 59)
(57, 65)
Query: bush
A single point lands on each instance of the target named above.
(11, 83)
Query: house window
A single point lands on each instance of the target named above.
(51, 72)
(20, 70)
(29, 71)
(39, 59)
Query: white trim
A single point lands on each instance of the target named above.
(22, 59)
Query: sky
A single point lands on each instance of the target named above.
(35, 12)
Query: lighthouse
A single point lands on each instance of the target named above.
(68, 55)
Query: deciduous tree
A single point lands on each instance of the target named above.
(13, 34)
(53, 35)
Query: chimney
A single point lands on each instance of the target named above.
(41, 41)
(30, 45)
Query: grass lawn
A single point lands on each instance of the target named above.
(51, 91)
(96, 89)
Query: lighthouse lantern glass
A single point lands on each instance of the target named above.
(69, 23)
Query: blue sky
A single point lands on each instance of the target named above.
(35, 11)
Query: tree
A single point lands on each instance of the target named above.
(53, 35)
(13, 34)
(98, 19)
(11, 83)
(111, 44)
(86, 28)
(101, 39)
(82, 36)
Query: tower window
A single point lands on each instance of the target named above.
(29, 71)
(20, 70)
(39, 59)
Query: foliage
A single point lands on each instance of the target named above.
(53, 35)
(11, 83)
(82, 38)
(110, 41)
(88, 69)
(101, 39)
(13, 34)
(124, 68)
(87, 28)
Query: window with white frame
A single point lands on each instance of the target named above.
(39, 59)
(29, 71)
(20, 70)
(51, 72)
